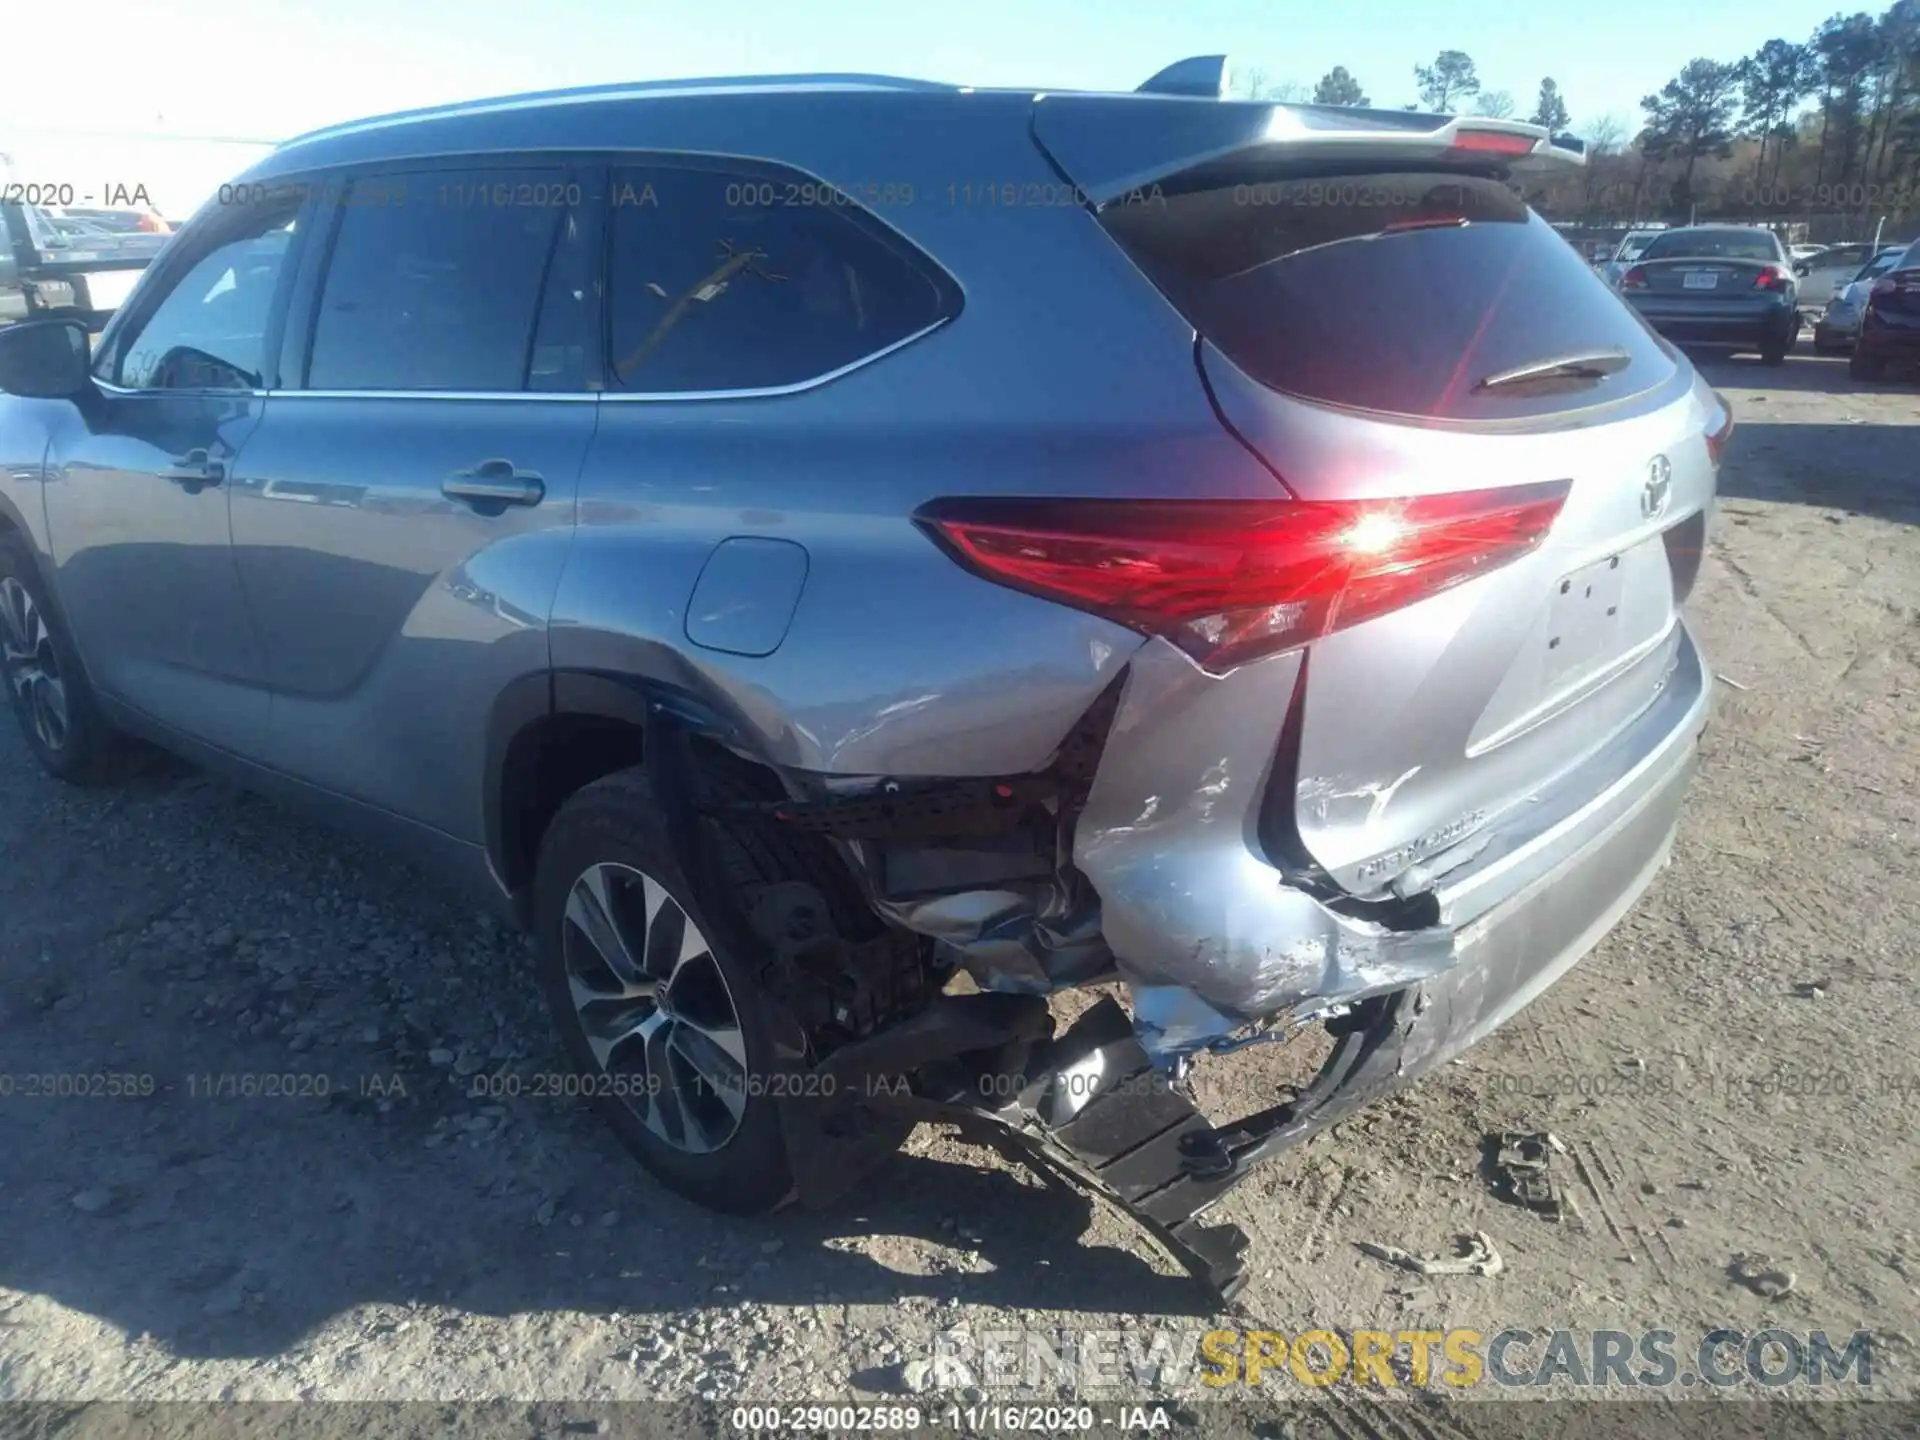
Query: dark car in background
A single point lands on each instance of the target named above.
(1725, 285)
(1890, 326)
(1839, 324)
(119, 222)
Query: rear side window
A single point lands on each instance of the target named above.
(1717, 245)
(434, 282)
(1390, 292)
(727, 276)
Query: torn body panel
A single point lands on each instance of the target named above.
(1217, 918)
(1189, 902)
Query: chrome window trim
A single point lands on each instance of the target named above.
(107, 387)
(650, 397)
(572, 397)
(654, 397)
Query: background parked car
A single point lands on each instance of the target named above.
(1839, 323)
(51, 263)
(1728, 285)
(1632, 245)
(1822, 276)
(1890, 325)
(120, 222)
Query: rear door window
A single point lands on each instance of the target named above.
(728, 276)
(1396, 292)
(435, 279)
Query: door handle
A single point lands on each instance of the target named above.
(495, 481)
(194, 469)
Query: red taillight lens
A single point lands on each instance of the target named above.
(1884, 286)
(1230, 580)
(1634, 279)
(1721, 431)
(1493, 142)
(152, 224)
(1772, 278)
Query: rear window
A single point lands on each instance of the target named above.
(1392, 292)
(1713, 245)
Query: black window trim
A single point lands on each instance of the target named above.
(206, 232)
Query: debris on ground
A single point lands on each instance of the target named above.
(1758, 1274)
(1523, 1170)
(1477, 1257)
(1813, 989)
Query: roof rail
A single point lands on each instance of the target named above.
(621, 90)
(1201, 76)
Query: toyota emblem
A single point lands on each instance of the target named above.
(1653, 494)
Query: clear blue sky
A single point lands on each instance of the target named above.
(271, 68)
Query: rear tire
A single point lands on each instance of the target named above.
(46, 685)
(608, 888)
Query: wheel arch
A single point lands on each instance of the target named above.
(553, 733)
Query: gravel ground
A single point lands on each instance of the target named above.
(384, 1233)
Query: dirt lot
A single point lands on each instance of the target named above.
(1733, 1072)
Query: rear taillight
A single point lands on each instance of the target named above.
(1493, 142)
(1634, 279)
(1720, 432)
(152, 224)
(1772, 278)
(1231, 580)
(1884, 285)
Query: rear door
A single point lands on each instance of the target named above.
(401, 517)
(1390, 327)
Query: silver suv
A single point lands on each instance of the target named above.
(844, 558)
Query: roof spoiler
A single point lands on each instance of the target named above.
(1202, 77)
(1111, 145)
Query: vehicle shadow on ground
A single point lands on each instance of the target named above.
(224, 1225)
(1864, 467)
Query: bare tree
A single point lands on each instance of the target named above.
(1257, 83)
(1450, 79)
(1494, 104)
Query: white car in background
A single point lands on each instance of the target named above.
(1632, 244)
(1823, 275)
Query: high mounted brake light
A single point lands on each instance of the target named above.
(1493, 142)
(1231, 580)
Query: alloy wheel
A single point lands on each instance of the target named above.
(32, 668)
(654, 1007)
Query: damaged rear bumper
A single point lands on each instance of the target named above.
(1211, 935)
(1092, 1105)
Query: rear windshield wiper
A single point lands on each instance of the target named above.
(1595, 365)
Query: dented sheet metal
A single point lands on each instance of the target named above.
(1188, 902)
(1021, 941)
